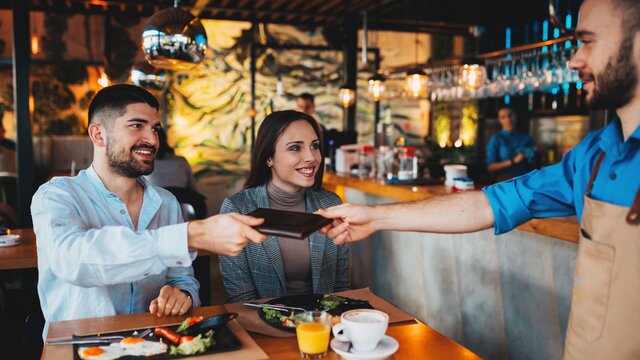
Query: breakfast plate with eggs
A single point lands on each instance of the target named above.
(170, 342)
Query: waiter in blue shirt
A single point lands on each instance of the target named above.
(509, 152)
(109, 242)
(598, 180)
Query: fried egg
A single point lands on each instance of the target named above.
(130, 346)
(141, 347)
(101, 352)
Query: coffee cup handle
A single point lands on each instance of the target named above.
(337, 329)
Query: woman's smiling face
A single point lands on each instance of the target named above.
(296, 157)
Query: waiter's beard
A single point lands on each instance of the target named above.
(616, 85)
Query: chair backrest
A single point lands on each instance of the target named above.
(188, 212)
(8, 189)
(192, 198)
(32, 335)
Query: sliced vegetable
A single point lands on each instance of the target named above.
(196, 345)
(188, 322)
(186, 339)
(167, 334)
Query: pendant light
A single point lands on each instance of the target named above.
(376, 87)
(174, 39)
(471, 74)
(416, 79)
(347, 96)
(35, 39)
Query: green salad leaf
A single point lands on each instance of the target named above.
(198, 345)
(330, 302)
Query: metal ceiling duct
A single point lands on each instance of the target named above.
(174, 39)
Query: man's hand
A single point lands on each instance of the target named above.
(224, 234)
(518, 158)
(350, 222)
(170, 301)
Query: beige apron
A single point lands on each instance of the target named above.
(605, 311)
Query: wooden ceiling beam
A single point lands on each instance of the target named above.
(329, 5)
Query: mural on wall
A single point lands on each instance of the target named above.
(209, 121)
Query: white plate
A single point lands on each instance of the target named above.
(9, 240)
(386, 347)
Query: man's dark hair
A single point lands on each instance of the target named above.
(265, 146)
(308, 97)
(630, 11)
(112, 101)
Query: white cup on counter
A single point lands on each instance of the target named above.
(364, 328)
(453, 171)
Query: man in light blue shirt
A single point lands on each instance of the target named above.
(598, 180)
(111, 243)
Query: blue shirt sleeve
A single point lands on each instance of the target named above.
(538, 194)
(493, 149)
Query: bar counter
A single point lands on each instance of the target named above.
(560, 228)
(501, 296)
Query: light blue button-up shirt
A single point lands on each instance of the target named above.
(558, 190)
(93, 262)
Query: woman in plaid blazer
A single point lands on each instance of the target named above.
(286, 156)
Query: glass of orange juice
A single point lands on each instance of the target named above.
(312, 330)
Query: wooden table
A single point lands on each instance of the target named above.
(417, 341)
(23, 256)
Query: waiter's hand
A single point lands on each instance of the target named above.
(224, 234)
(170, 301)
(350, 222)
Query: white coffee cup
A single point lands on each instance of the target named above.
(362, 327)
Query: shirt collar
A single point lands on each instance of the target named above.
(97, 182)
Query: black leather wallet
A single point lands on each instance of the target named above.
(289, 223)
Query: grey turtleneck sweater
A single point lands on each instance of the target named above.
(295, 253)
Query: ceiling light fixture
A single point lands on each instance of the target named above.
(174, 39)
(416, 79)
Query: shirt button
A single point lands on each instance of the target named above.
(613, 176)
(122, 212)
(179, 262)
(146, 274)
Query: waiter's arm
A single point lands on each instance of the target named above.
(455, 213)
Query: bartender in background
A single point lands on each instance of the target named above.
(510, 153)
(306, 104)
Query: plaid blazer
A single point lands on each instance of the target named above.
(258, 272)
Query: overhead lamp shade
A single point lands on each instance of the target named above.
(146, 76)
(347, 96)
(174, 39)
(471, 76)
(416, 83)
(376, 87)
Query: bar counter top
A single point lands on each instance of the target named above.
(566, 229)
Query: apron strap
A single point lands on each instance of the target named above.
(633, 217)
(594, 172)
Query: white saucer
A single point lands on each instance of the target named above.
(9, 240)
(386, 347)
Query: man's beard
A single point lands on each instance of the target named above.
(615, 87)
(125, 165)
